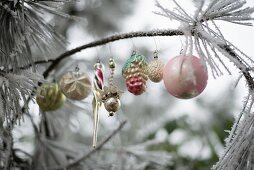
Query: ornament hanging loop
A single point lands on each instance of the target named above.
(156, 46)
(77, 68)
(155, 54)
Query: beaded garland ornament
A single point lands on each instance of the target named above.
(111, 95)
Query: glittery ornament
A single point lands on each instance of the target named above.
(135, 85)
(49, 97)
(155, 69)
(75, 85)
(135, 74)
(185, 77)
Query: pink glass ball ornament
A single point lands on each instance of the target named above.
(185, 77)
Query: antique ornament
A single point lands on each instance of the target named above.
(111, 95)
(98, 85)
(155, 69)
(185, 77)
(135, 73)
(75, 85)
(49, 97)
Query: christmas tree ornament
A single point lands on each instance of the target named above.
(155, 69)
(111, 99)
(111, 95)
(75, 85)
(50, 97)
(135, 73)
(185, 77)
(98, 85)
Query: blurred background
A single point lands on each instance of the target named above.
(162, 132)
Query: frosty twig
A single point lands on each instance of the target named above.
(108, 40)
(91, 152)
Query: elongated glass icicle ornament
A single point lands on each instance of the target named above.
(98, 84)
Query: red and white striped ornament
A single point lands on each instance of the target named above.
(98, 85)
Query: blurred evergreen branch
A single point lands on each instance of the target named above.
(91, 152)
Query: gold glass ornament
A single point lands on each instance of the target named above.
(75, 85)
(112, 105)
(49, 97)
(155, 69)
(111, 99)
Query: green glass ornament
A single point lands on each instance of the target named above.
(49, 97)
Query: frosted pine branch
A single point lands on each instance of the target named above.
(15, 88)
(23, 30)
(236, 150)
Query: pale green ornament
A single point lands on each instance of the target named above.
(50, 97)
